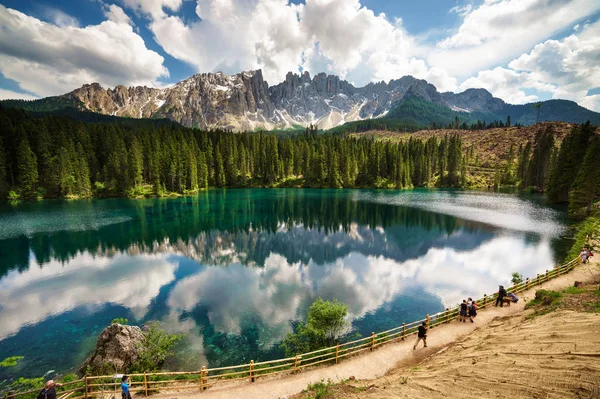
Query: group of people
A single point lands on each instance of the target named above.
(585, 254)
(467, 308)
(503, 294)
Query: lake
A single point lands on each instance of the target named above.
(232, 269)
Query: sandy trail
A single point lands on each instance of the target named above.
(378, 363)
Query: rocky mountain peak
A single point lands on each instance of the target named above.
(245, 101)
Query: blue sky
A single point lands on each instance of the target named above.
(520, 50)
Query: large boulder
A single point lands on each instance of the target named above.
(118, 347)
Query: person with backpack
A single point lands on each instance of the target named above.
(501, 295)
(421, 335)
(463, 312)
(472, 309)
(125, 382)
(49, 391)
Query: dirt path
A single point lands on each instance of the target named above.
(376, 364)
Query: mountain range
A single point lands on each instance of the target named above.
(245, 101)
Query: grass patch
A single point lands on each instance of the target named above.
(545, 301)
(319, 390)
(574, 291)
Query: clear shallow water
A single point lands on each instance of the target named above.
(232, 269)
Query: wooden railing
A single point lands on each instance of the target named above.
(106, 387)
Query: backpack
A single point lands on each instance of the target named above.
(43, 394)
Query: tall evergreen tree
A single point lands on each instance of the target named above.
(586, 188)
(27, 169)
(568, 162)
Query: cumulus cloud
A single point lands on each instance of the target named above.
(566, 68)
(47, 59)
(116, 14)
(571, 64)
(335, 36)
(498, 31)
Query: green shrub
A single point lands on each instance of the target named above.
(517, 278)
(326, 323)
(13, 196)
(120, 320)
(10, 361)
(319, 389)
(156, 346)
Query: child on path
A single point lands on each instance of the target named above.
(125, 381)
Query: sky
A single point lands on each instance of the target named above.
(520, 50)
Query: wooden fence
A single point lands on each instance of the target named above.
(106, 387)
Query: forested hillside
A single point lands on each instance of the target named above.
(58, 157)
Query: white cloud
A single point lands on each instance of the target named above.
(462, 10)
(13, 95)
(591, 102)
(60, 18)
(571, 64)
(503, 83)
(153, 8)
(334, 36)
(116, 14)
(48, 60)
(500, 30)
(566, 68)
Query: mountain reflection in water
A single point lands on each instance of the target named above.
(233, 268)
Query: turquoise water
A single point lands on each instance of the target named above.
(232, 269)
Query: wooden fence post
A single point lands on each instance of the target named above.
(546, 275)
(538, 279)
(296, 365)
(447, 317)
(251, 370)
(204, 379)
(85, 395)
(527, 283)
(146, 383)
(484, 300)
(337, 351)
(403, 330)
(372, 341)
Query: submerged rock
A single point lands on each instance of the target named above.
(118, 347)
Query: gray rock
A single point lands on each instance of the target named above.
(117, 349)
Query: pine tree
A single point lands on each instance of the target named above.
(568, 162)
(27, 169)
(539, 166)
(202, 171)
(3, 172)
(586, 189)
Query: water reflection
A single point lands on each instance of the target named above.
(233, 268)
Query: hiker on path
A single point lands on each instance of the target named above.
(421, 335)
(49, 391)
(125, 394)
(584, 254)
(472, 309)
(463, 311)
(513, 297)
(501, 295)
